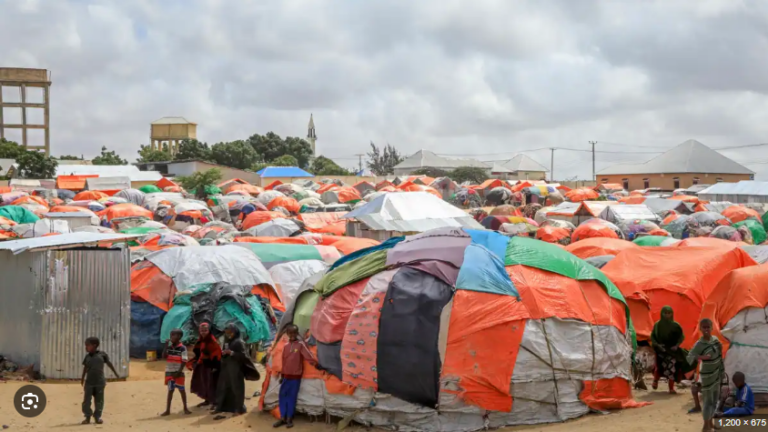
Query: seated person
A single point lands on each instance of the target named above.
(725, 391)
(744, 402)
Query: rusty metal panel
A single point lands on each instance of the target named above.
(21, 287)
(87, 293)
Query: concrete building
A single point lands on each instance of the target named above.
(169, 131)
(427, 159)
(312, 135)
(189, 167)
(520, 167)
(30, 112)
(687, 164)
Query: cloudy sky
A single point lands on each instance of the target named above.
(486, 77)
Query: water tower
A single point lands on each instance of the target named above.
(29, 107)
(170, 131)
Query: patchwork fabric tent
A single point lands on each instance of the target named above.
(738, 306)
(492, 333)
(679, 276)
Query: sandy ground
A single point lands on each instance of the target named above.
(134, 406)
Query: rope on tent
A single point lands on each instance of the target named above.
(554, 376)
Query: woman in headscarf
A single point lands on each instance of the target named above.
(205, 366)
(236, 367)
(666, 338)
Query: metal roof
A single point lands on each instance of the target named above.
(428, 159)
(628, 212)
(522, 162)
(744, 187)
(689, 157)
(108, 183)
(129, 171)
(5, 165)
(271, 172)
(172, 120)
(411, 212)
(62, 241)
(660, 205)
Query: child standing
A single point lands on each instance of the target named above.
(93, 379)
(175, 355)
(709, 351)
(294, 354)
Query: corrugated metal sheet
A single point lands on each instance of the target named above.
(20, 291)
(61, 241)
(628, 212)
(741, 192)
(87, 294)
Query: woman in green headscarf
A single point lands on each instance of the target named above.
(671, 360)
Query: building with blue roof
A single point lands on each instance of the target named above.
(292, 172)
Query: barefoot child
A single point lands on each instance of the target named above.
(175, 355)
(709, 351)
(93, 380)
(294, 354)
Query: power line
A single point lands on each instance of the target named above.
(741, 146)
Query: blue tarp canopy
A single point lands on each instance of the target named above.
(270, 172)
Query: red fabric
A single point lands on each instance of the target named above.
(363, 325)
(333, 312)
(609, 393)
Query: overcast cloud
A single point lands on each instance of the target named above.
(481, 77)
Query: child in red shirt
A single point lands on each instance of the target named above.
(294, 354)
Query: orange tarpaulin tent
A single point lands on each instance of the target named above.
(73, 182)
(90, 196)
(273, 185)
(325, 222)
(260, 217)
(247, 188)
(633, 199)
(384, 183)
(685, 198)
(552, 234)
(737, 213)
(327, 187)
(581, 194)
(123, 211)
(679, 277)
(33, 199)
(598, 246)
(165, 182)
(287, 203)
(590, 230)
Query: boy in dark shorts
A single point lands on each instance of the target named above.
(175, 356)
(93, 380)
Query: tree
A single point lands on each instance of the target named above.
(258, 166)
(69, 157)
(271, 146)
(382, 162)
(109, 158)
(35, 165)
(324, 166)
(430, 172)
(148, 154)
(199, 181)
(10, 149)
(190, 149)
(474, 175)
(236, 154)
(285, 160)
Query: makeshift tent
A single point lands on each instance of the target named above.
(248, 189)
(272, 254)
(325, 222)
(398, 329)
(285, 202)
(681, 277)
(495, 222)
(652, 240)
(599, 246)
(124, 211)
(738, 306)
(581, 194)
(498, 196)
(596, 228)
(620, 214)
(274, 228)
(18, 214)
(134, 196)
(662, 206)
(150, 189)
(342, 195)
(288, 277)
(259, 217)
(756, 228)
(395, 213)
(734, 234)
(146, 320)
(737, 213)
(553, 234)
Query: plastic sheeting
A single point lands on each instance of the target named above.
(484, 271)
(352, 271)
(598, 246)
(747, 333)
(408, 360)
(194, 265)
(146, 320)
(289, 277)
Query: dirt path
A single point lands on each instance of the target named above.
(134, 406)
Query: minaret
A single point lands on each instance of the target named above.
(311, 135)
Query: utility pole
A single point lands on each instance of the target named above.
(552, 165)
(360, 162)
(594, 176)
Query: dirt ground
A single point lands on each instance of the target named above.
(134, 406)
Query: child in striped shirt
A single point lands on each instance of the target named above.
(175, 356)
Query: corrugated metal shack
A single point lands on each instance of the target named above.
(58, 290)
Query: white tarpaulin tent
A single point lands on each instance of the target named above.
(628, 212)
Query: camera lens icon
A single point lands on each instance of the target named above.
(30, 401)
